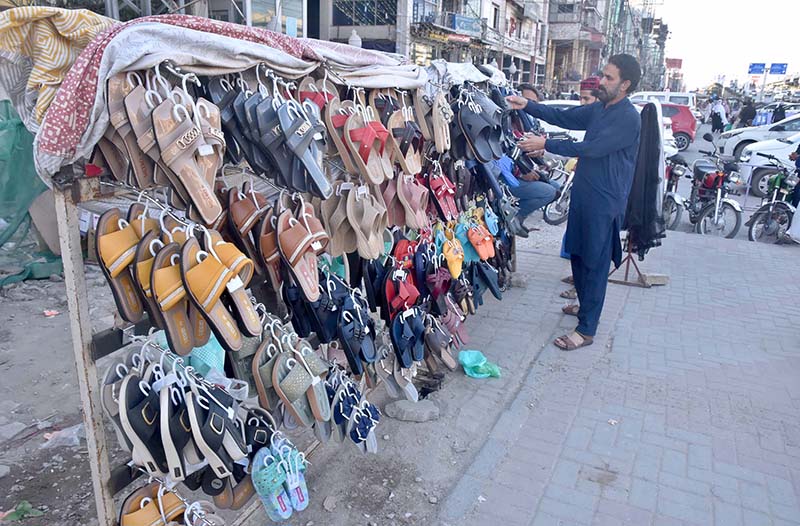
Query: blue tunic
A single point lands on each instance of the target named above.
(604, 174)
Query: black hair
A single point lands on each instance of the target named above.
(629, 69)
(529, 87)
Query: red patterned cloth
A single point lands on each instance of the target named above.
(68, 116)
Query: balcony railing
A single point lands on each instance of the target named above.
(459, 23)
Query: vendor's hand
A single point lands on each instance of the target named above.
(515, 102)
(537, 153)
(533, 176)
(793, 156)
(531, 144)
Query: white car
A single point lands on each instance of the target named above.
(669, 141)
(733, 142)
(757, 168)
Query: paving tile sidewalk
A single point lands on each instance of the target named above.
(686, 410)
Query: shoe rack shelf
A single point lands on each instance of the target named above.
(70, 189)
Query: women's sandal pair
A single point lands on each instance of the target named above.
(279, 480)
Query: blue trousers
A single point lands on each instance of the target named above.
(533, 195)
(591, 281)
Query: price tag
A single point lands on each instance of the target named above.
(346, 186)
(205, 150)
(86, 216)
(362, 190)
(235, 284)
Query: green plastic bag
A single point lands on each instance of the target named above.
(476, 365)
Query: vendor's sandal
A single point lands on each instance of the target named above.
(109, 398)
(206, 279)
(291, 381)
(268, 476)
(336, 115)
(364, 213)
(180, 141)
(414, 198)
(294, 241)
(367, 140)
(572, 341)
(570, 294)
(143, 260)
(571, 310)
(407, 141)
(422, 112)
(139, 416)
(245, 214)
(150, 505)
(568, 280)
(334, 215)
(169, 293)
(478, 131)
(213, 152)
(142, 165)
(441, 115)
(115, 250)
(236, 294)
(305, 136)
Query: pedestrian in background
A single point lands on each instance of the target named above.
(747, 114)
(779, 114)
(588, 94)
(718, 117)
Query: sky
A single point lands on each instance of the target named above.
(721, 37)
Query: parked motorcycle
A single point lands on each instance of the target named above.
(770, 222)
(710, 209)
(557, 212)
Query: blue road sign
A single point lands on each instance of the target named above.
(777, 69)
(756, 69)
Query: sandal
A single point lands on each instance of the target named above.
(305, 136)
(367, 140)
(364, 214)
(119, 87)
(115, 249)
(414, 198)
(571, 310)
(569, 294)
(294, 242)
(572, 341)
(336, 115)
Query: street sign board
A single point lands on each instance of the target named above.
(777, 69)
(757, 68)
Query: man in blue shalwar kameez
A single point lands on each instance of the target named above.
(600, 190)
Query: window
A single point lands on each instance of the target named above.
(683, 101)
(792, 125)
(669, 111)
(566, 8)
(264, 12)
(425, 11)
(495, 15)
(364, 12)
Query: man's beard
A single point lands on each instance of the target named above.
(605, 96)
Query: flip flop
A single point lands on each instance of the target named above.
(179, 141)
(482, 241)
(571, 310)
(268, 252)
(334, 215)
(422, 111)
(454, 255)
(268, 477)
(477, 131)
(569, 294)
(294, 242)
(119, 87)
(210, 161)
(305, 136)
(115, 251)
(222, 95)
(396, 214)
(441, 116)
(169, 293)
(273, 142)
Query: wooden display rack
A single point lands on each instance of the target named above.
(87, 348)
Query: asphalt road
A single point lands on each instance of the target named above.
(749, 203)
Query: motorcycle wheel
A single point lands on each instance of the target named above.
(557, 212)
(671, 212)
(770, 228)
(728, 216)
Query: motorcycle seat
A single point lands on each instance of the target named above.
(728, 158)
(701, 169)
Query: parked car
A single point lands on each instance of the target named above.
(670, 148)
(733, 142)
(668, 97)
(684, 124)
(758, 169)
(764, 115)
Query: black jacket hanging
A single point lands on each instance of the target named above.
(643, 219)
